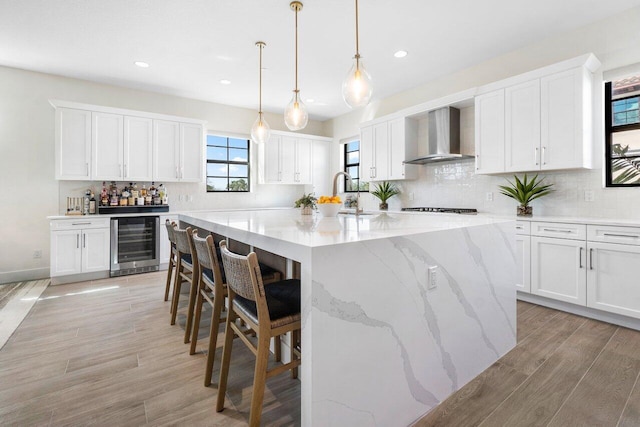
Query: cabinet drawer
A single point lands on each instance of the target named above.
(614, 234)
(523, 227)
(559, 230)
(79, 223)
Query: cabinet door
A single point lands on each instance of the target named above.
(138, 148)
(287, 160)
(523, 263)
(522, 127)
(612, 278)
(270, 154)
(565, 119)
(73, 144)
(107, 145)
(166, 150)
(403, 137)
(489, 116)
(191, 149)
(558, 269)
(96, 248)
(321, 178)
(380, 152)
(303, 161)
(65, 252)
(366, 153)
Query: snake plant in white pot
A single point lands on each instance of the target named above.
(525, 191)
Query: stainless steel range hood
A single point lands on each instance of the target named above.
(444, 137)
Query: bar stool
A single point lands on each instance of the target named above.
(173, 255)
(186, 266)
(270, 311)
(213, 290)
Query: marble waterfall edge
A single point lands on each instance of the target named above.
(386, 348)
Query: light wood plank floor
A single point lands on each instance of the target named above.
(103, 353)
(565, 371)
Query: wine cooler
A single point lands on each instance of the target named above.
(135, 245)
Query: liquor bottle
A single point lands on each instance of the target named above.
(85, 204)
(135, 193)
(152, 189)
(92, 204)
(165, 196)
(143, 191)
(104, 198)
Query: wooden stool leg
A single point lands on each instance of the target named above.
(259, 379)
(218, 304)
(293, 343)
(226, 359)
(277, 348)
(192, 303)
(196, 323)
(169, 273)
(177, 284)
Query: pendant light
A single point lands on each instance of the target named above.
(260, 131)
(356, 87)
(296, 115)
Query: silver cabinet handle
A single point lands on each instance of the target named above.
(80, 223)
(121, 171)
(590, 258)
(177, 172)
(580, 257)
(77, 241)
(535, 155)
(84, 240)
(519, 227)
(630, 236)
(125, 171)
(544, 155)
(553, 230)
(86, 166)
(477, 161)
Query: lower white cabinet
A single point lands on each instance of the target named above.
(79, 246)
(523, 263)
(558, 269)
(165, 252)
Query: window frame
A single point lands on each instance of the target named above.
(347, 165)
(610, 129)
(228, 163)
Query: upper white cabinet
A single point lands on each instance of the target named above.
(321, 173)
(108, 144)
(177, 151)
(286, 159)
(489, 113)
(385, 146)
(541, 120)
(73, 144)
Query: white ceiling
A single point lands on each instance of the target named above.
(193, 44)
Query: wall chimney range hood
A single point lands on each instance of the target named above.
(444, 137)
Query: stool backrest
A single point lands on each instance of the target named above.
(206, 254)
(170, 227)
(243, 274)
(182, 240)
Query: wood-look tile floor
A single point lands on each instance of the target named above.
(566, 370)
(103, 353)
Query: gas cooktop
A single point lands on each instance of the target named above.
(466, 211)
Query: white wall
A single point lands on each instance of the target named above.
(30, 192)
(616, 43)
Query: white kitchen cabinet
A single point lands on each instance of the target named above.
(403, 145)
(107, 145)
(138, 148)
(79, 246)
(558, 269)
(320, 170)
(374, 152)
(522, 127)
(73, 144)
(165, 253)
(566, 124)
(490, 132)
(523, 257)
(286, 159)
(177, 151)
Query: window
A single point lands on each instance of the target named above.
(227, 164)
(622, 127)
(352, 167)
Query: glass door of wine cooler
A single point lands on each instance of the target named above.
(134, 245)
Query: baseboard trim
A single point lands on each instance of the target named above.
(24, 275)
(616, 319)
(82, 277)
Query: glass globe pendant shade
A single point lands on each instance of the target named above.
(356, 87)
(295, 114)
(260, 131)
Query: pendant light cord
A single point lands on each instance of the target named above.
(357, 40)
(261, 45)
(296, 50)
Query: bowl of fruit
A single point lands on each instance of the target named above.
(329, 206)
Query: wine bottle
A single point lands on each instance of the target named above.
(92, 204)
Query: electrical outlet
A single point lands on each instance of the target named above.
(411, 196)
(432, 279)
(37, 254)
(588, 196)
(489, 196)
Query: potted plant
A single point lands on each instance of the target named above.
(384, 192)
(525, 191)
(307, 202)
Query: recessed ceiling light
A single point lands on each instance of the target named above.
(142, 64)
(225, 82)
(400, 54)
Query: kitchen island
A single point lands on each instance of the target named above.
(399, 310)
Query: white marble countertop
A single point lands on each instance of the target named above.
(289, 225)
